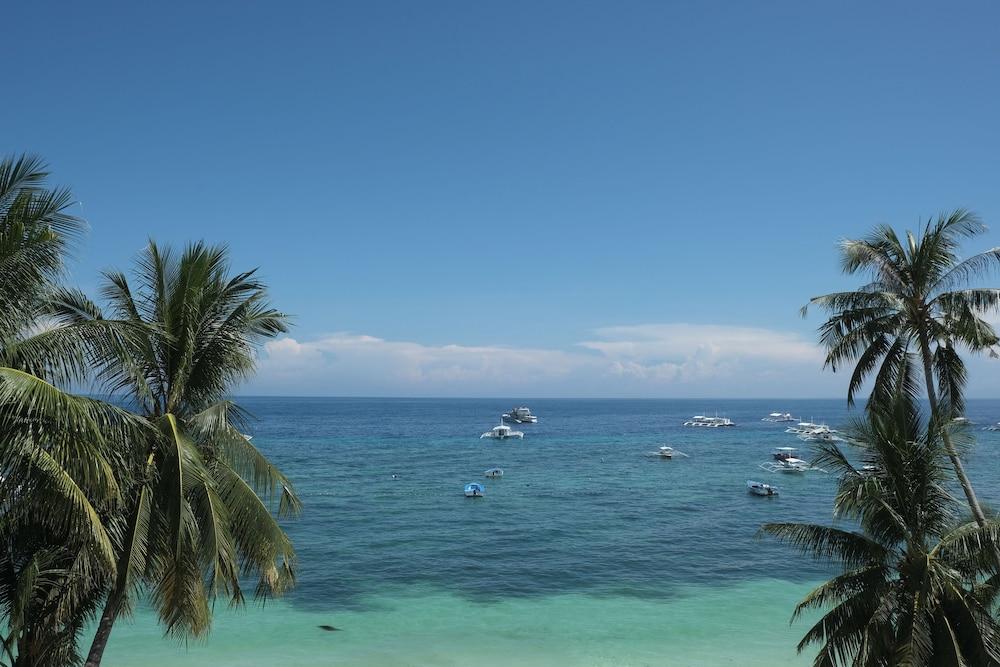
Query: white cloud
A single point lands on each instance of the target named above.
(642, 360)
(686, 352)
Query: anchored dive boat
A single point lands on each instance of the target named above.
(701, 421)
(760, 488)
(521, 415)
(502, 432)
(786, 460)
(667, 453)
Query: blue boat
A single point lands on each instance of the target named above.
(474, 490)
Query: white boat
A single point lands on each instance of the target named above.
(667, 453)
(804, 428)
(786, 460)
(521, 415)
(760, 488)
(779, 417)
(819, 434)
(501, 432)
(782, 453)
(474, 490)
(786, 465)
(494, 473)
(701, 421)
(994, 427)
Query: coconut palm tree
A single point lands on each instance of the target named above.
(197, 516)
(917, 587)
(920, 305)
(57, 472)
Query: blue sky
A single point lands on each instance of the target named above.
(517, 198)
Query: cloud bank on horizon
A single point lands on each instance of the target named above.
(654, 360)
(674, 360)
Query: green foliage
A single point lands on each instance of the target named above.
(918, 585)
(918, 308)
(200, 514)
(99, 505)
(919, 290)
(58, 460)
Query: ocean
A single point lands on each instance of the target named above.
(587, 552)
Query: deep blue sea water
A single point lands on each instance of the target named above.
(582, 513)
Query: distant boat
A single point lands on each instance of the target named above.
(521, 415)
(474, 490)
(783, 453)
(779, 417)
(786, 460)
(761, 489)
(494, 472)
(804, 428)
(786, 464)
(994, 427)
(701, 421)
(502, 432)
(667, 453)
(821, 433)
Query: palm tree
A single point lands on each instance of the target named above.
(57, 471)
(917, 588)
(196, 515)
(920, 304)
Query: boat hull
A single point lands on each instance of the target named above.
(761, 489)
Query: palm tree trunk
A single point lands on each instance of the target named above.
(956, 462)
(107, 622)
(118, 592)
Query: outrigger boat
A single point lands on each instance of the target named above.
(819, 434)
(786, 460)
(805, 428)
(779, 417)
(702, 421)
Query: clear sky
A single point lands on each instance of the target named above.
(517, 198)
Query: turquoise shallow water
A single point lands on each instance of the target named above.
(587, 552)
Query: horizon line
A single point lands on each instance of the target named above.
(580, 398)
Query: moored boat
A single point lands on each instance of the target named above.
(521, 415)
(786, 459)
(502, 432)
(474, 490)
(701, 421)
(667, 452)
(761, 489)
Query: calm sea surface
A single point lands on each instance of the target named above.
(586, 552)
